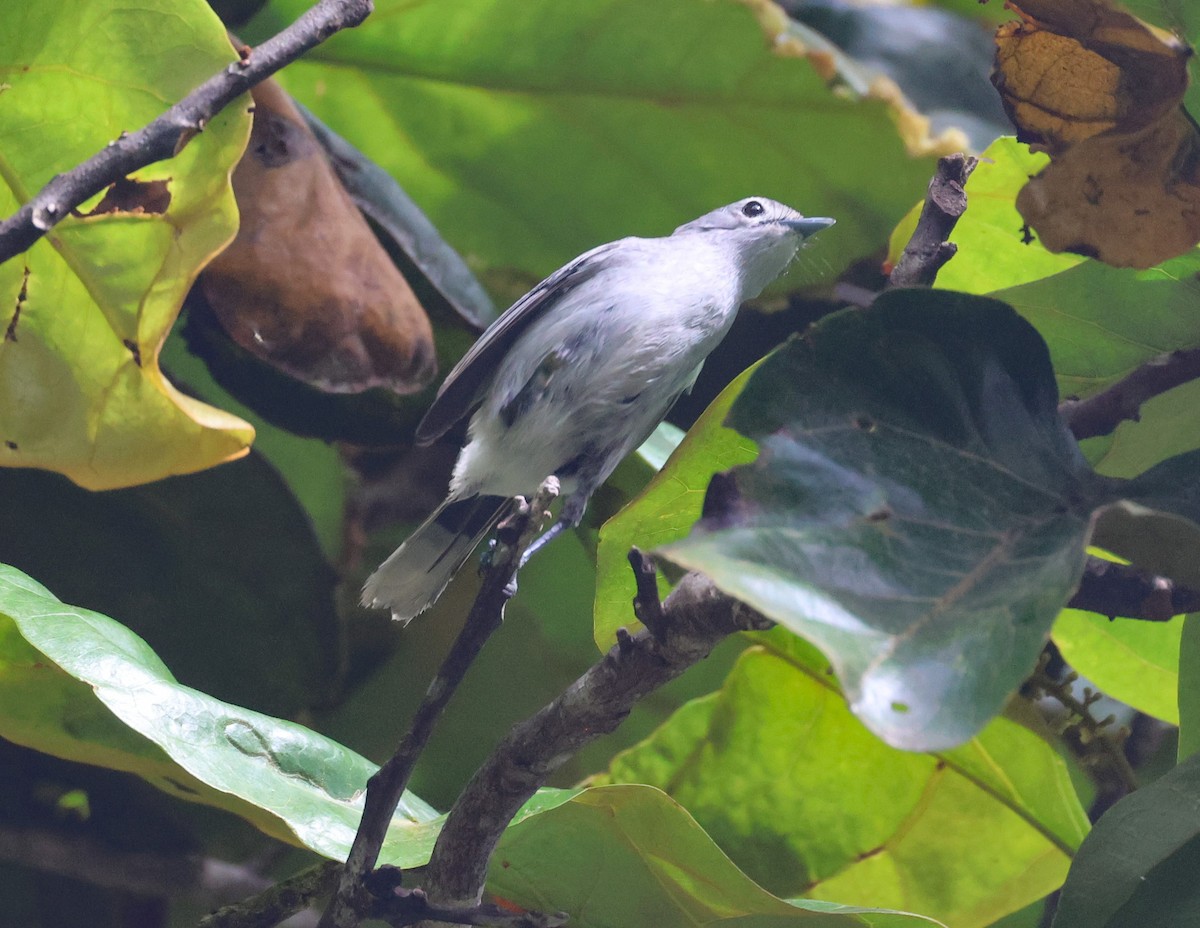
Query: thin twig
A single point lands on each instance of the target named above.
(696, 617)
(1102, 413)
(353, 899)
(1130, 593)
(278, 902)
(166, 136)
(928, 249)
(1084, 726)
(647, 605)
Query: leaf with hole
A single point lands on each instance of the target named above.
(87, 308)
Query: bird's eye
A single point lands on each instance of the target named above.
(752, 209)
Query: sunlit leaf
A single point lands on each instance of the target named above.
(665, 510)
(669, 872)
(806, 800)
(89, 306)
(1135, 662)
(80, 686)
(525, 160)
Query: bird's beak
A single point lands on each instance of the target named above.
(808, 226)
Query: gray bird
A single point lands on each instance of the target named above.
(578, 373)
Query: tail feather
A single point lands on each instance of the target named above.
(412, 579)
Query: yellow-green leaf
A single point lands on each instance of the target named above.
(86, 310)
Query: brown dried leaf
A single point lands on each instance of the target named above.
(305, 285)
(1100, 91)
(134, 196)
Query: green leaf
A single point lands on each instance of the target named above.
(919, 511)
(1102, 322)
(806, 800)
(665, 510)
(615, 119)
(258, 629)
(1189, 688)
(1138, 865)
(915, 509)
(629, 856)
(312, 468)
(1135, 662)
(76, 684)
(993, 252)
(89, 306)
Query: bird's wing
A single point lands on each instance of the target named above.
(463, 387)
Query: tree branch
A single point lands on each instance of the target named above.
(167, 135)
(353, 899)
(928, 249)
(696, 617)
(1125, 591)
(1102, 413)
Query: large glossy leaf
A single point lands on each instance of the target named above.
(76, 684)
(1135, 662)
(919, 511)
(88, 307)
(806, 800)
(629, 856)
(1138, 865)
(531, 130)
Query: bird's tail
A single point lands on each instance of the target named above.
(412, 579)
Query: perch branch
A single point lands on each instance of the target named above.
(1102, 413)
(928, 249)
(166, 136)
(1125, 591)
(353, 899)
(696, 617)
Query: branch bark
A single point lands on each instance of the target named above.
(1102, 413)
(1125, 591)
(167, 135)
(695, 618)
(353, 899)
(928, 250)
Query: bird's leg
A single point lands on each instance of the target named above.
(571, 516)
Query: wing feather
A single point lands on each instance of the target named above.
(463, 388)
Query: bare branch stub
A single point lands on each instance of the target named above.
(353, 900)
(167, 135)
(929, 249)
(647, 605)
